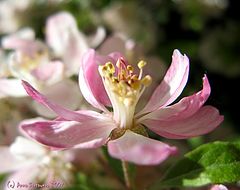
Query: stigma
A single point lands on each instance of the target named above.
(124, 87)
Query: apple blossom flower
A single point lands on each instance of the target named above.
(67, 42)
(46, 63)
(30, 162)
(31, 61)
(47, 66)
(110, 82)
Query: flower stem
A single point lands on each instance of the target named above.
(126, 174)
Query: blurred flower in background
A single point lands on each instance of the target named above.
(30, 162)
(46, 64)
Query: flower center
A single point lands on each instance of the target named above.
(124, 89)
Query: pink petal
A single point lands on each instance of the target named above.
(11, 87)
(49, 73)
(70, 99)
(96, 39)
(172, 84)
(62, 112)
(24, 33)
(205, 120)
(115, 42)
(219, 187)
(90, 81)
(140, 150)
(66, 40)
(24, 41)
(184, 108)
(68, 134)
(14, 41)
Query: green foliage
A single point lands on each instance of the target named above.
(116, 166)
(212, 163)
(83, 182)
(2, 177)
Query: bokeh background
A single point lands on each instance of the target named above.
(207, 31)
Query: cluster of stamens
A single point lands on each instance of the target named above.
(123, 81)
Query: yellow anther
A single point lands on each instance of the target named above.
(109, 75)
(130, 68)
(128, 78)
(147, 80)
(141, 64)
(134, 77)
(136, 85)
(101, 70)
(131, 81)
(114, 80)
(110, 67)
(104, 68)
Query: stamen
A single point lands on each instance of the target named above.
(136, 85)
(141, 64)
(134, 77)
(147, 80)
(110, 67)
(124, 89)
(130, 69)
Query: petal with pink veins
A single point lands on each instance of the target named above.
(206, 119)
(11, 87)
(140, 150)
(184, 108)
(172, 85)
(70, 99)
(90, 81)
(60, 111)
(68, 134)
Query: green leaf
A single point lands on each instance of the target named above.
(217, 162)
(196, 141)
(83, 182)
